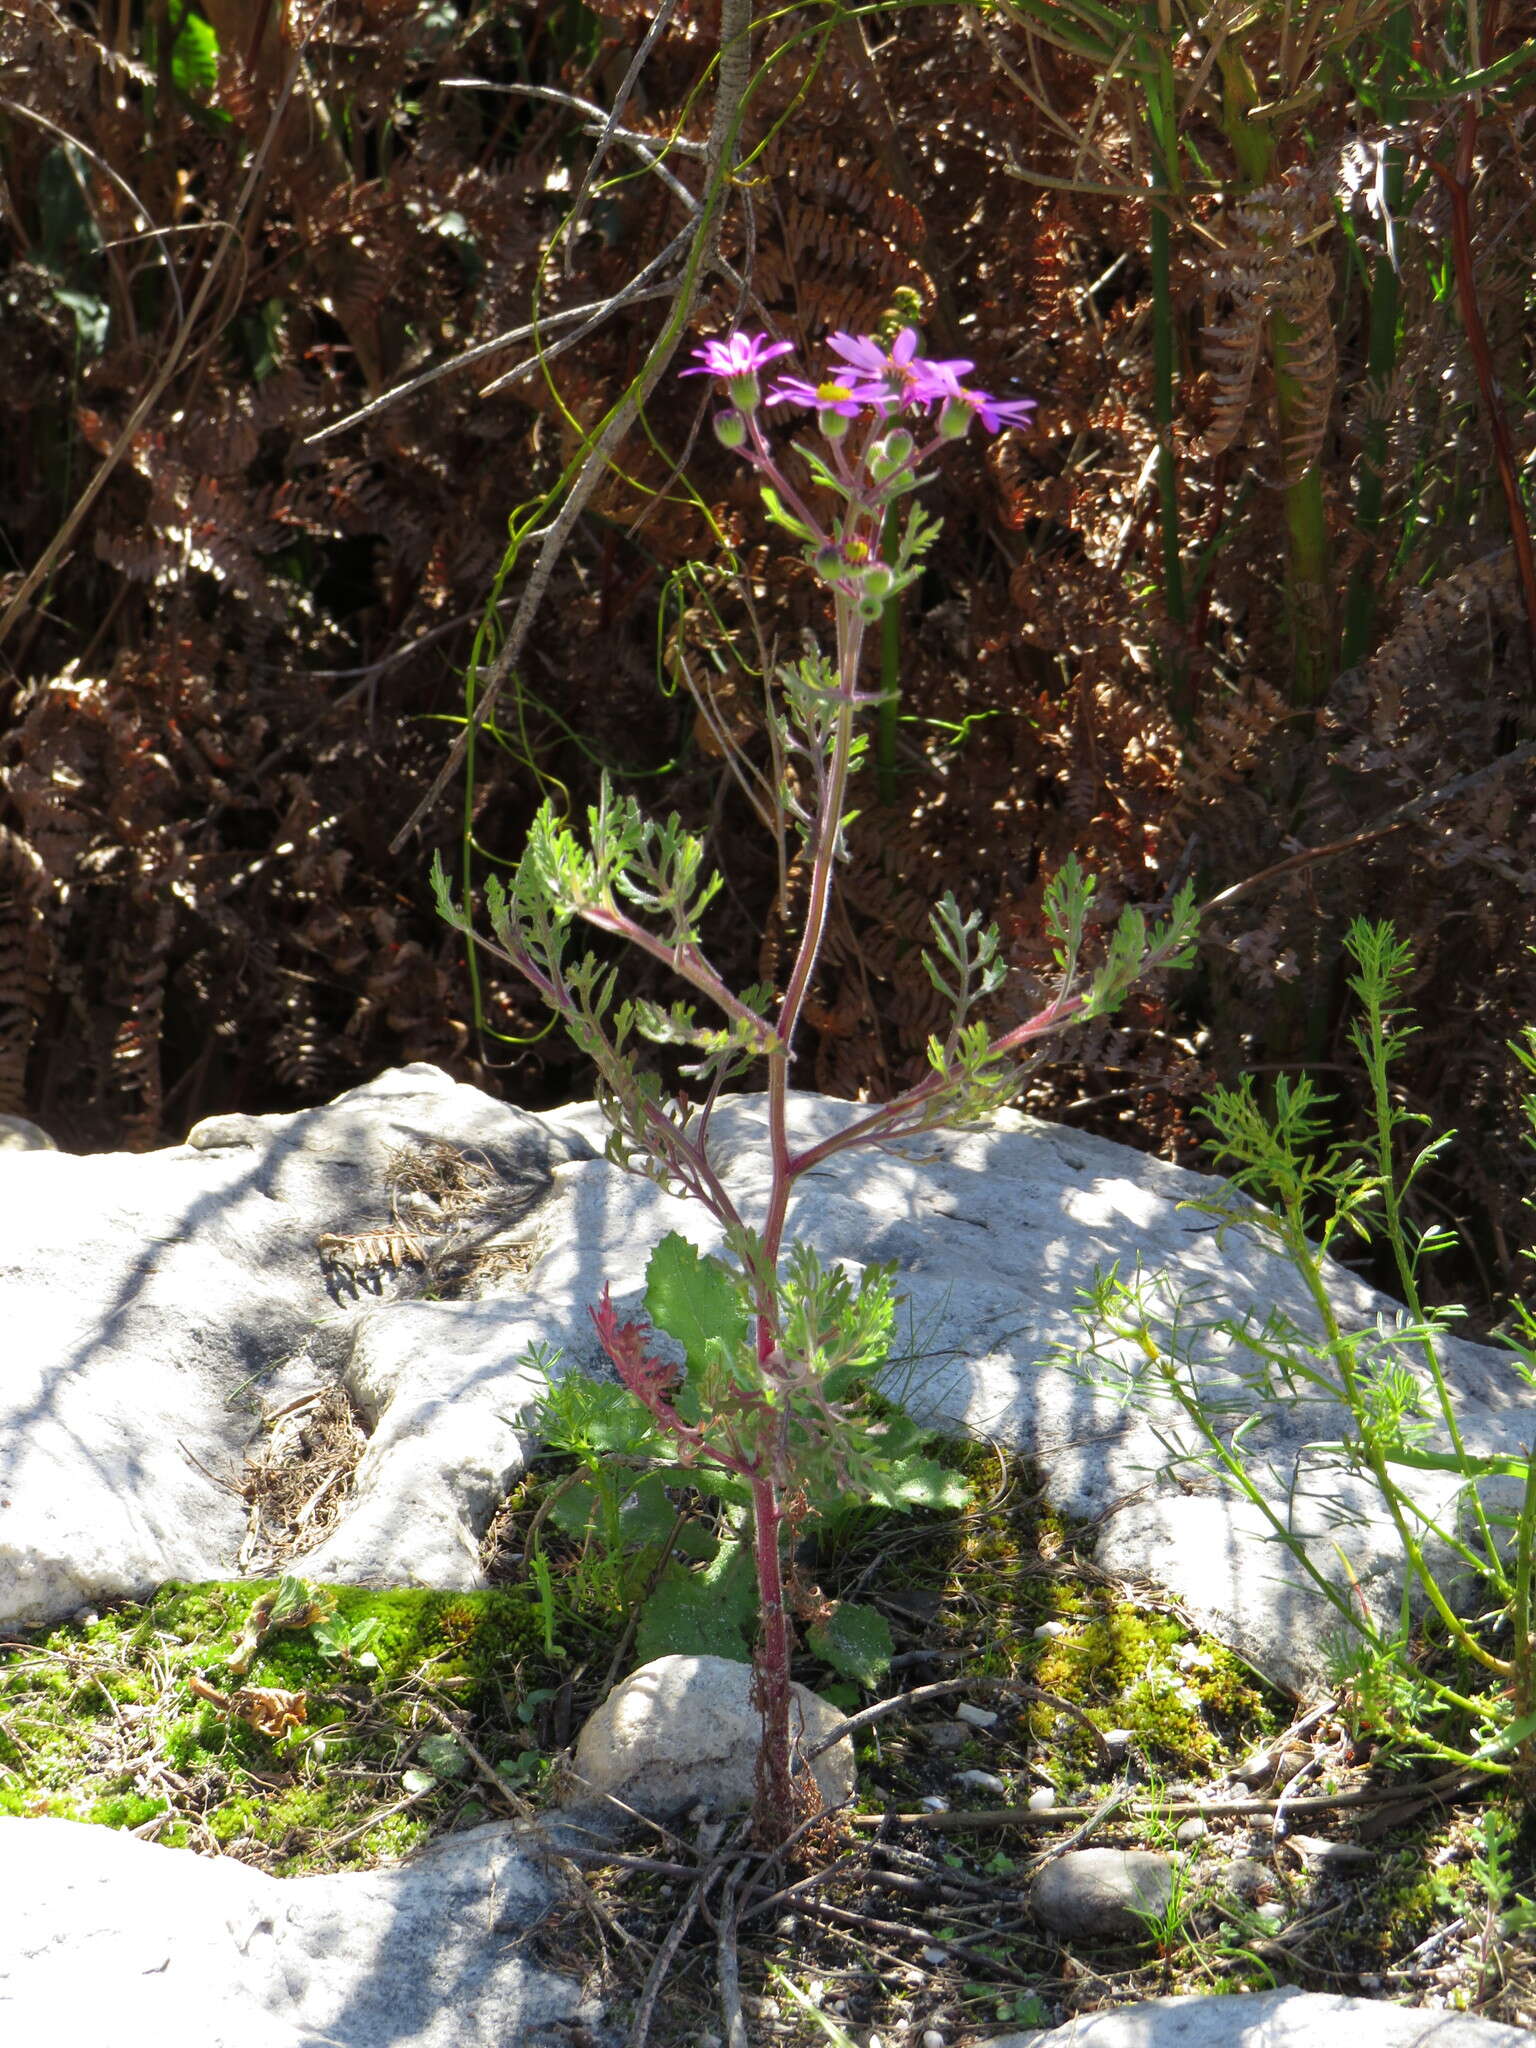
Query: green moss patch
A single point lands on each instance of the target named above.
(110, 1720)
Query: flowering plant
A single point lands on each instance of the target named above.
(776, 1345)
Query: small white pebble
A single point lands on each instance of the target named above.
(1191, 1830)
(1118, 1742)
(1042, 1801)
(1272, 1914)
(789, 1924)
(936, 1803)
(984, 1781)
(932, 2038)
(978, 1717)
(1049, 1630)
(815, 1991)
(935, 1955)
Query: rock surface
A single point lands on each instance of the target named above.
(1270, 2019)
(1102, 1894)
(146, 1300)
(155, 1304)
(682, 1731)
(110, 1940)
(18, 1135)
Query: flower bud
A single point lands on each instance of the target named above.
(876, 581)
(745, 392)
(834, 425)
(890, 454)
(730, 429)
(955, 419)
(870, 610)
(829, 564)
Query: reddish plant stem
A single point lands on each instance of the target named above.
(775, 1787)
(1458, 186)
(775, 1800)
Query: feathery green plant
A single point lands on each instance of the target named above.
(775, 1345)
(1465, 1522)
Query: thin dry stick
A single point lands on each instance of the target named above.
(43, 567)
(656, 145)
(921, 1694)
(728, 1968)
(1394, 821)
(1450, 1784)
(634, 293)
(627, 84)
(151, 230)
(657, 1976)
(734, 78)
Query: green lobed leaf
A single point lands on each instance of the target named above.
(697, 1300)
(706, 1614)
(919, 1482)
(854, 1640)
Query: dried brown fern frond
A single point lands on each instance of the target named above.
(834, 241)
(25, 963)
(1271, 288)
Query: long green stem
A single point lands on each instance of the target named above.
(1306, 525)
(1158, 85)
(775, 1809)
(1381, 358)
(1341, 1351)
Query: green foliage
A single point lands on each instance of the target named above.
(1385, 1384)
(854, 1640)
(64, 1750)
(621, 1511)
(708, 1613)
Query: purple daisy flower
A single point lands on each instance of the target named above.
(739, 355)
(843, 399)
(994, 413)
(900, 371)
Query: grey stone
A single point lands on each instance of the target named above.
(112, 1940)
(949, 1735)
(683, 1730)
(1247, 1880)
(1270, 2019)
(18, 1135)
(1102, 1894)
(142, 1293)
(144, 1296)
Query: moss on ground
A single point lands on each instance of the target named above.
(100, 1721)
(1018, 1599)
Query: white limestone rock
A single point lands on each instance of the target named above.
(1270, 2019)
(146, 1298)
(139, 1293)
(17, 1134)
(682, 1732)
(108, 1939)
